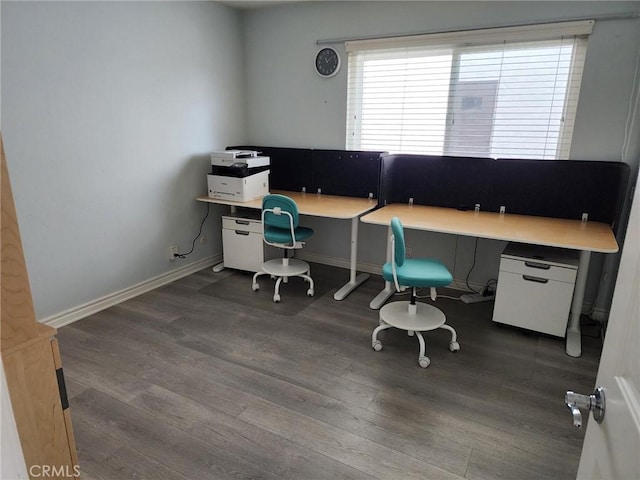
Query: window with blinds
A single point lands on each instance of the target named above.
(504, 92)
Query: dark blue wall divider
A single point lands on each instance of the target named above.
(546, 188)
(347, 173)
(561, 188)
(454, 182)
(290, 167)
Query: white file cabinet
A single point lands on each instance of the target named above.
(242, 244)
(535, 288)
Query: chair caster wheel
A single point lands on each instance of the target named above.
(276, 298)
(454, 346)
(424, 362)
(310, 292)
(255, 287)
(377, 345)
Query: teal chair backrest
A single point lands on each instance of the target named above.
(398, 234)
(286, 204)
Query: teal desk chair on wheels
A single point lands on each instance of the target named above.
(412, 316)
(281, 229)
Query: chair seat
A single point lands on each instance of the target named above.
(278, 268)
(419, 272)
(282, 236)
(425, 318)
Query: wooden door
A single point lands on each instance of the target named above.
(38, 410)
(31, 359)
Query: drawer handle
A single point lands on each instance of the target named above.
(541, 266)
(242, 232)
(242, 222)
(529, 278)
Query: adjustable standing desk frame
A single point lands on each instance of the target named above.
(579, 235)
(317, 205)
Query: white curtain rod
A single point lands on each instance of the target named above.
(621, 16)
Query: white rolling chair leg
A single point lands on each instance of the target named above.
(308, 279)
(423, 360)
(375, 343)
(276, 293)
(254, 286)
(454, 346)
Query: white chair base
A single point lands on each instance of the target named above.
(420, 317)
(282, 269)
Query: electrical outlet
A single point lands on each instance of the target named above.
(173, 251)
(408, 252)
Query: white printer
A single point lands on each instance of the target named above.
(238, 175)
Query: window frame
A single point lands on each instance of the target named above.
(461, 42)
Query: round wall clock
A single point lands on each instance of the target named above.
(327, 62)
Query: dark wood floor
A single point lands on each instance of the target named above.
(182, 384)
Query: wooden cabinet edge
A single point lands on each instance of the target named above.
(31, 358)
(66, 411)
(42, 421)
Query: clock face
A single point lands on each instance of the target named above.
(327, 62)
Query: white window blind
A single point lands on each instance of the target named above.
(505, 92)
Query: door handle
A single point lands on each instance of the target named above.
(594, 402)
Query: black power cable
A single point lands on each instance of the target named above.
(193, 244)
(475, 253)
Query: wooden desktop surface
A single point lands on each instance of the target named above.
(555, 232)
(317, 205)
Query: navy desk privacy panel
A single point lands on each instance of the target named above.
(290, 167)
(562, 188)
(453, 182)
(348, 173)
(544, 188)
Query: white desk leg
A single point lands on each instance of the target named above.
(354, 280)
(220, 266)
(388, 290)
(574, 340)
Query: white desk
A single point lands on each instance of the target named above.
(328, 206)
(586, 237)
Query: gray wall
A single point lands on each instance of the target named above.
(109, 110)
(292, 106)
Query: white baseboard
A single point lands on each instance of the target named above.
(457, 284)
(76, 313)
(373, 268)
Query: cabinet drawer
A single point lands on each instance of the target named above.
(542, 306)
(242, 224)
(242, 249)
(536, 269)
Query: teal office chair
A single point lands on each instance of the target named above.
(280, 229)
(413, 316)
